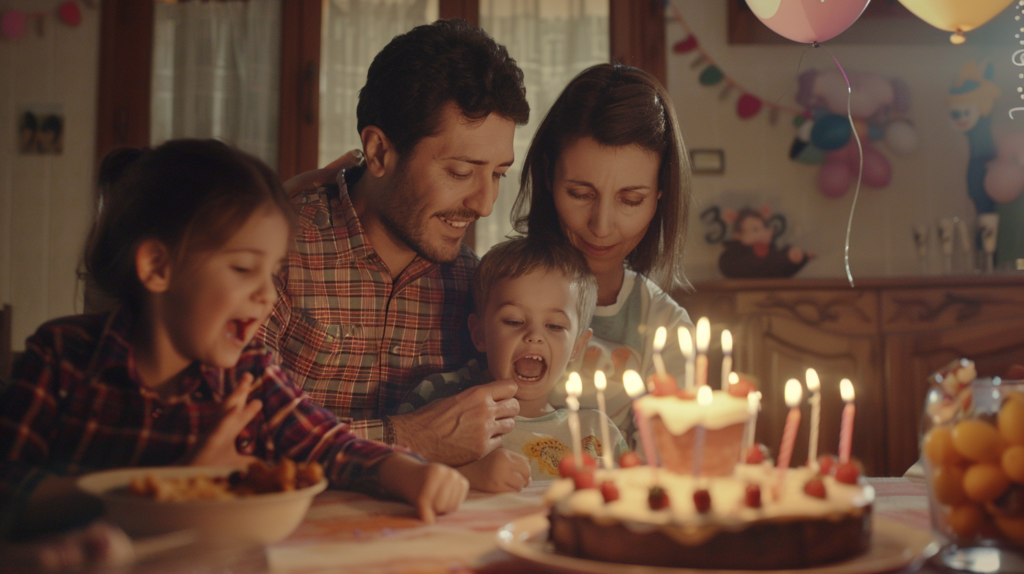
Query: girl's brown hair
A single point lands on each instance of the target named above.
(191, 195)
(616, 106)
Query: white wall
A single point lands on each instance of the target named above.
(46, 201)
(925, 186)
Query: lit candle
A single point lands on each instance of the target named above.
(846, 431)
(634, 384)
(660, 337)
(794, 393)
(753, 405)
(704, 400)
(686, 346)
(814, 386)
(606, 446)
(703, 339)
(726, 358)
(574, 388)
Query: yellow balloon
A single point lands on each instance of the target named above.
(956, 16)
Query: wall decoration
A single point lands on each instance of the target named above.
(41, 129)
(14, 23)
(878, 106)
(750, 246)
(707, 161)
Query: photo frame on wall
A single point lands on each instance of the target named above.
(707, 161)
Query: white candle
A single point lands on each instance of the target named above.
(660, 337)
(703, 339)
(606, 446)
(794, 393)
(726, 358)
(634, 384)
(753, 408)
(686, 346)
(846, 431)
(704, 398)
(814, 386)
(574, 388)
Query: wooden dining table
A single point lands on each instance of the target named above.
(347, 532)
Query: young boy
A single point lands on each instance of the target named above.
(534, 303)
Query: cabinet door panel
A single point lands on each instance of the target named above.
(780, 348)
(834, 311)
(921, 309)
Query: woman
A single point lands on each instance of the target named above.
(607, 171)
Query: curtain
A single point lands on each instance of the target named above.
(552, 40)
(353, 32)
(216, 70)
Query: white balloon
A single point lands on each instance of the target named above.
(901, 137)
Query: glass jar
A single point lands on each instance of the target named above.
(972, 450)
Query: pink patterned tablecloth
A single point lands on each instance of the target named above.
(345, 532)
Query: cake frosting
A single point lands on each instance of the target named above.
(680, 415)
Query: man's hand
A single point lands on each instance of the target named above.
(219, 448)
(500, 471)
(313, 179)
(461, 429)
(432, 488)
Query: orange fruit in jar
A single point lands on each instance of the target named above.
(1011, 420)
(1012, 529)
(938, 447)
(1013, 463)
(948, 485)
(966, 520)
(985, 482)
(978, 441)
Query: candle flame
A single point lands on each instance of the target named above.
(704, 396)
(846, 390)
(660, 336)
(685, 341)
(727, 342)
(753, 403)
(794, 392)
(634, 383)
(703, 334)
(813, 382)
(574, 386)
(599, 380)
(734, 378)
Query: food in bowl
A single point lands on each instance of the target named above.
(260, 478)
(259, 518)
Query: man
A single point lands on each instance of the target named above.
(376, 294)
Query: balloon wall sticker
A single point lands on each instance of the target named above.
(14, 23)
(956, 16)
(749, 237)
(878, 106)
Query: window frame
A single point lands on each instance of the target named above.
(637, 38)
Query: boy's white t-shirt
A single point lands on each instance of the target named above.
(545, 440)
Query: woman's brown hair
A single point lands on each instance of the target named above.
(616, 106)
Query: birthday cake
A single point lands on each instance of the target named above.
(655, 517)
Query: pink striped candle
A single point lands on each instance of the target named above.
(846, 431)
(794, 393)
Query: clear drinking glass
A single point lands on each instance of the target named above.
(972, 443)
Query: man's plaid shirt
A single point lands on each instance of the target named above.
(76, 404)
(354, 338)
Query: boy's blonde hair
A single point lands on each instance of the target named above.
(517, 257)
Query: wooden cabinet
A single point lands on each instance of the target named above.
(886, 335)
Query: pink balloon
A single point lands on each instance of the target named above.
(1004, 181)
(808, 21)
(12, 24)
(877, 170)
(834, 178)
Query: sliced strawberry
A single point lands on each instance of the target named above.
(629, 459)
(848, 473)
(609, 491)
(827, 463)
(664, 385)
(753, 496)
(757, 454)
(566, 467)
(583, 479)
(702, 500)
(815, 487)
(687, 394)
(657, 498)
(742, 388)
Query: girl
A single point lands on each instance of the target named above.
(187, 243)
(607, 170)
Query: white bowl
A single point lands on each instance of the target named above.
(256, 519)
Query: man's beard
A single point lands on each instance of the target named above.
(400, 212)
